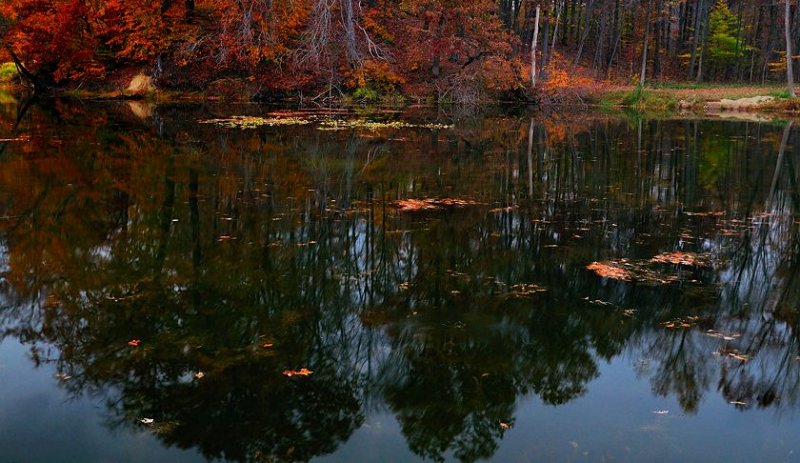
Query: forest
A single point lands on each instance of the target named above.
(432, 50)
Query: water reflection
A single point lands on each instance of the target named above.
(241, 254)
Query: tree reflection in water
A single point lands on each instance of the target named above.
(241, 254)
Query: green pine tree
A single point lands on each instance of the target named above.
(723, 47)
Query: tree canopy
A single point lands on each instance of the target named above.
(429, 48)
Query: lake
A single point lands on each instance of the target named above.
(444, 285)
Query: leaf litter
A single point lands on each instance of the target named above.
(432, 204)
(651, 271)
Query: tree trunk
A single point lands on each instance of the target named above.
(659, 32)
(545, 44)
(533, 48)
(787, 24)
(704, 43)
(350, 32)
(555, 29)
(696, 36)
(587, 28)
(35, 82)
(642, 76)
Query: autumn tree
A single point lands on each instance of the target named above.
(51, 42)
(462, 48)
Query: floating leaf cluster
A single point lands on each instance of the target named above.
(723, 335)
(681, 323)
(647, 271)
(628, 270)
(612, 270)
(687, 259)
(524, 290)
(734, 354)
(252, 122)
(343, 124)
(431, 204)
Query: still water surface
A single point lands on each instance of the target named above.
(469, 330)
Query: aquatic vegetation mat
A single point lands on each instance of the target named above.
(251, 122)
(344, 124)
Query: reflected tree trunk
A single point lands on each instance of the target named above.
(781, 153)
(530, 160)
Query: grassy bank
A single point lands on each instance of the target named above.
(698, 97)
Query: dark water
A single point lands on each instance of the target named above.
(470, 332)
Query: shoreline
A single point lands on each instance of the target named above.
(726, 101)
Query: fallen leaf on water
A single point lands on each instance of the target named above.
(300, 372)
(629, 312)
(523, 290)
(687, 259)
(609, 271)
(677, 323)
(705, 214)
(502, 209)
(739, 357)
(632, 270)
(134, 342)
(431, 204)
(20, 138)
(722, 335)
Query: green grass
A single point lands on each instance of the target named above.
(780, 94)
(7, 72)
(640, 99)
